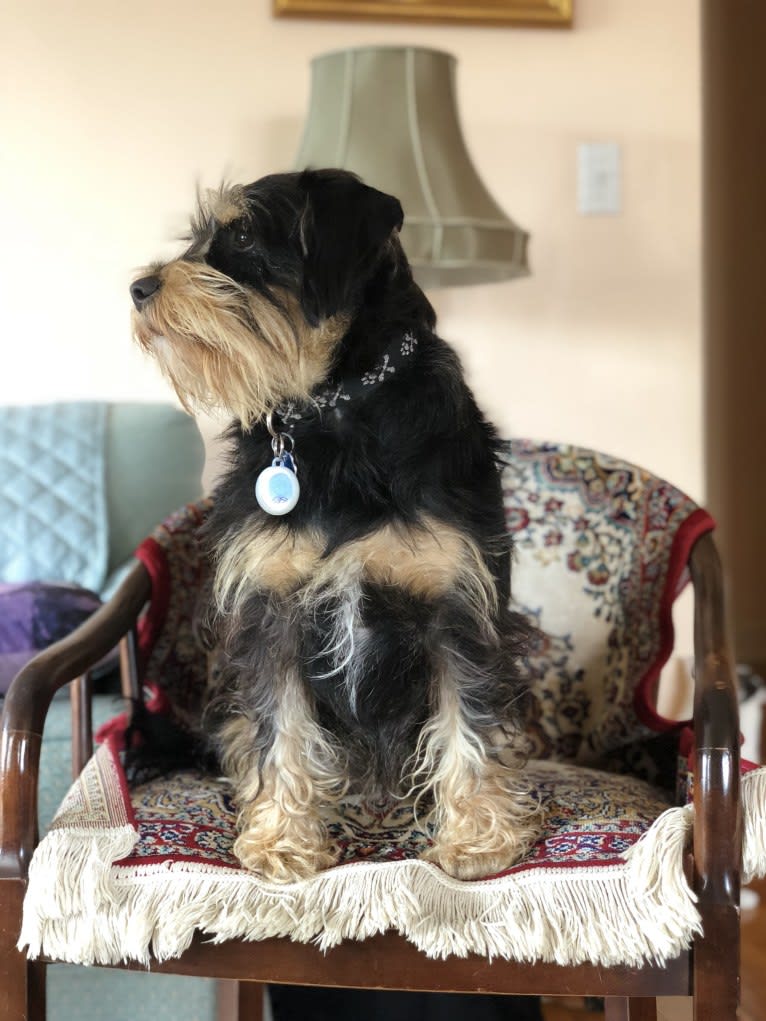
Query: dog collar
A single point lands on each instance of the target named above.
(277, 488)
(350, 388)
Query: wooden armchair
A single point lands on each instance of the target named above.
(707, 970)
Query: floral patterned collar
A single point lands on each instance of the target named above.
(352, 387)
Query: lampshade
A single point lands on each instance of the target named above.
(389, 113)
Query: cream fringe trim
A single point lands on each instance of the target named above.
(754, 825)
(620, 914)
(642, 910)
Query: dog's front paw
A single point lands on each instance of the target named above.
(484, 835)
(462, 863)
(279, 864)
(295, 849)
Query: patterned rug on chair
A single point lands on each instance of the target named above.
(126, 877)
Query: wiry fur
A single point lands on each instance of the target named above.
(221, 346)
(366, 634)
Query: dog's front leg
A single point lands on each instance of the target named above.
(484, 816)
(282, 768)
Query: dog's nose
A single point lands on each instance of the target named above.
(142, 290)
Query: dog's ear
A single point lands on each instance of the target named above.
(343, 231)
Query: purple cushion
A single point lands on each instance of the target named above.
(33, 615)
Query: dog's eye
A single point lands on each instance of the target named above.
(242, 237)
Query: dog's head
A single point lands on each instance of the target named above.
(251, 314)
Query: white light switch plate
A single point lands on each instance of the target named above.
(599, 185)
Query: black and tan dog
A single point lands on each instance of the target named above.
(366, 631)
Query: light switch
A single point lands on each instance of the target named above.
(599, 185)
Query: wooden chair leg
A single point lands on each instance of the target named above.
(250, 1001)
(240, 1001)
(14, 986)
(22, 985)
(37, 971)
(716, 965)
(630, 1008)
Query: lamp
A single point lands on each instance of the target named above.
(389, 114)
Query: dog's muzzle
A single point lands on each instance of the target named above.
(142, 291)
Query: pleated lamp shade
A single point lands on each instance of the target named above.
(390, 114)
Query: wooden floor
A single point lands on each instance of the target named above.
(672, 1009)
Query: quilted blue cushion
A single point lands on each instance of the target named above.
(52, 494)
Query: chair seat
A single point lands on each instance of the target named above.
(125, 876)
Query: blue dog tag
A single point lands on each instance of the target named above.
(277, 488)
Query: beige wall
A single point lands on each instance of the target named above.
(111, 112)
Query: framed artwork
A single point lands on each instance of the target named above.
(536, 13)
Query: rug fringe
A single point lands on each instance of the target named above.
(644, 907)
(656, 859)
(71, 876)
(621, 914)
(754, 825)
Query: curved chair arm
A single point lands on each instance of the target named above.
(717, 808)
(26, 706)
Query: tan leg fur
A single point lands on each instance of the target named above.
(484, 815)
(281, 834)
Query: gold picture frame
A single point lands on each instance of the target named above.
(534, 13)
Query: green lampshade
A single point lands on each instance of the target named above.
(389, 113)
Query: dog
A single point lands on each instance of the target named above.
(367, 639)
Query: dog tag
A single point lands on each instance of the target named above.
(277, 488)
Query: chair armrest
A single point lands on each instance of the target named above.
(26, 706)
(718, 815)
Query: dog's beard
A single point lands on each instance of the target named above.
(223, 345)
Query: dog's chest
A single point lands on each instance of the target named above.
(426, 560)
